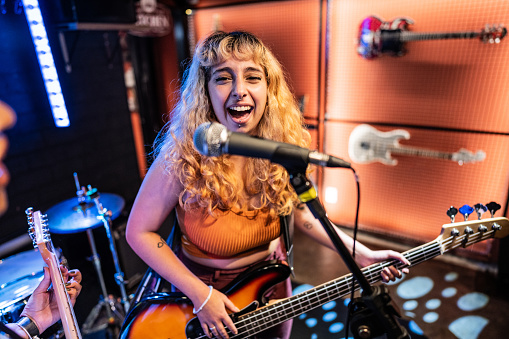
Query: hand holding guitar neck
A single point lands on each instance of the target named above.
(38, 231)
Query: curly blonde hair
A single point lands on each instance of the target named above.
(210, 182)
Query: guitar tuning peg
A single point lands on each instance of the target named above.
(493, 207)
(480, 209)
(30, 215)
(465, 211)
(451, 212)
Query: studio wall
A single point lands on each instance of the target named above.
(448, 94)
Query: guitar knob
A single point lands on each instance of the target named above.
(465, 211)
(480, 209)
(451, 212)
(493, 207)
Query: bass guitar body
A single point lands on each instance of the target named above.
(170, 315)
(378, 37)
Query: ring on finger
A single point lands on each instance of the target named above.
(212, 328)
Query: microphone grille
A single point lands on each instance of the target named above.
(215, 140)
(199, 138)
(207, 139)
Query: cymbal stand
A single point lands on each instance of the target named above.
(114, 317)
(105, 216)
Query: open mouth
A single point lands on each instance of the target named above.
(240, 114)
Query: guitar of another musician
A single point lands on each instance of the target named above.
(164, 315)
(377, 37)
(39, 232)
(367, 144)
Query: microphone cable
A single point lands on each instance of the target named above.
(355, 229)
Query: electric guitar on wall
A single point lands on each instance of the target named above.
(377, 37)
(366, 144)
(166, 315)
(39, 232)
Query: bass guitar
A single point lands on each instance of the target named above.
(166, 315)
(377, 37)
(367, 144)
(39, 232)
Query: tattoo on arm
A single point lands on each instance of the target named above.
(300, 206)
(161, 243)
(308, 225)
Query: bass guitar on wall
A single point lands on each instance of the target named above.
(39, 232)
(367, 144)
(377, 37)
(169, 315)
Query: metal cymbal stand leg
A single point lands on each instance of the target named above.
(114, 317)
(97, 265)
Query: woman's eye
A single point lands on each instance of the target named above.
(222, 79)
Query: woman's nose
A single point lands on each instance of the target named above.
(239, 90)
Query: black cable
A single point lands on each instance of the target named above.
(355, 228)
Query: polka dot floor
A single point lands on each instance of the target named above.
(436, 299)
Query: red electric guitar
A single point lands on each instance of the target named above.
(38, 231)
(377, 37)
(164, 315)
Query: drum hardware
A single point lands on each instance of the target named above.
(85, 213)
(19, 276)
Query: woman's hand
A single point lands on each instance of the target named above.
(42, 306)
(389, 273)
(213, 316)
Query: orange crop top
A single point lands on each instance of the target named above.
(232, 234)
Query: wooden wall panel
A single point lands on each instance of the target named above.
(291, 29)
(410, 200)
(460, 84)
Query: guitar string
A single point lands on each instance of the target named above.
(415, 256)
(372, 271)
(413, 252)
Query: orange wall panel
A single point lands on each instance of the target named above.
(459, 84)
(410, 200)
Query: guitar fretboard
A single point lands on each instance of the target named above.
(421, 152)
(411, 36)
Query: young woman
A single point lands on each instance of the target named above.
(228, 207)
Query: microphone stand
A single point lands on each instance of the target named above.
(373, 313)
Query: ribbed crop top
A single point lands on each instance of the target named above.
(232, 234)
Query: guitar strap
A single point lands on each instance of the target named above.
(286, 223)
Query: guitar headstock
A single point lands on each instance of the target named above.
(37, 227)
(466, 233)
(464, 156)
(493, 34)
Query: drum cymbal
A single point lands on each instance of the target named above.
(70, 216)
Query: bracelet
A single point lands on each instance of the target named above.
(29, 326)
(205, 302)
